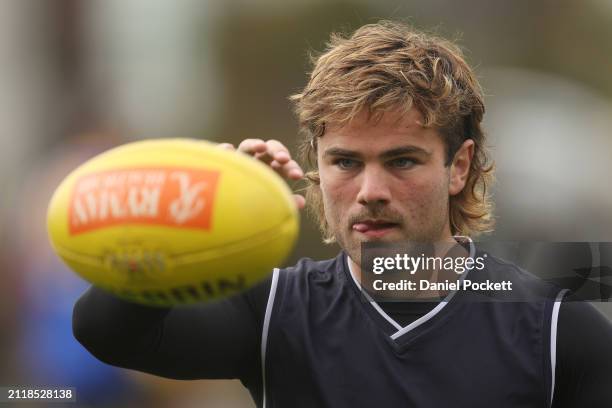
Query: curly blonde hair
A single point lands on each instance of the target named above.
(388, 66)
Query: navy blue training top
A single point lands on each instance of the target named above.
(326, 346)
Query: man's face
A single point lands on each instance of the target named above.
(384, 181)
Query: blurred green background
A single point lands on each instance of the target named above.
(78, 77)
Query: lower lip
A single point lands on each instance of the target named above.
(376, 232)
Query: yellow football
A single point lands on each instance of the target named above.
(172, 221)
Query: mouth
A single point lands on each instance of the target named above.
(375, 228)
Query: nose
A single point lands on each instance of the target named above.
(374, 189)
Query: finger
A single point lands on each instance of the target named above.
(265, 157)
(252, 146)
(226, 146)
(292, 170)
(278, 150)
(282, 157)
(275, 151)
(300, 201)
(275, 154)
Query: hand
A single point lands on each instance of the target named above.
(274, 154)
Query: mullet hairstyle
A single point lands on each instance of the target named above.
(388, 66)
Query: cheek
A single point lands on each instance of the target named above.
(336, 197)
(423, 195)
(332, 199)
(414, 196)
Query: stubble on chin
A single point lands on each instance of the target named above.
(351, 246)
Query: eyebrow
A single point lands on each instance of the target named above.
(398, 151)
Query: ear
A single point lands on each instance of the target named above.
(460, 167)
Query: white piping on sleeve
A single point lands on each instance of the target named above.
(553, 340)
(266, 327)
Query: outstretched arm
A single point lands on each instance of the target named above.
(216, 340)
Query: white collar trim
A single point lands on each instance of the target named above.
(421, 320)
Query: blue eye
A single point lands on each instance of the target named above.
(346, 164)
(403, 163)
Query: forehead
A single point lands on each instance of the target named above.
(370, 134)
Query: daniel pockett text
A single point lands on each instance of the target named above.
(419, 272)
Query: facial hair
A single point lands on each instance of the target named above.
(342, 230)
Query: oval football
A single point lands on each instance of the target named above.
(170, 221)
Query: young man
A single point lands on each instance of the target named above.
(392, 119)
